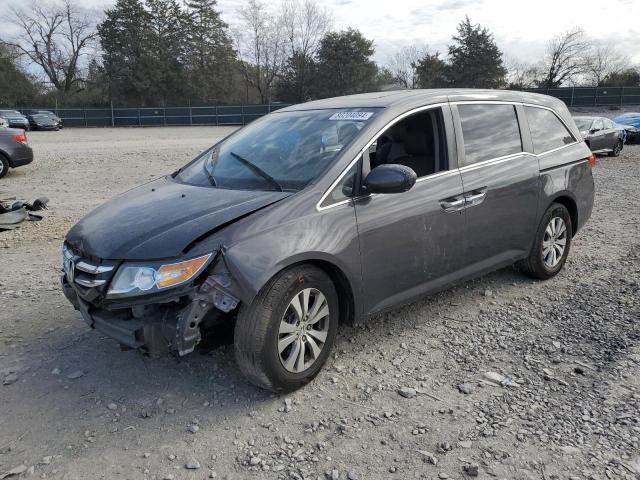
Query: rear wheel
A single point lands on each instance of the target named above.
(4, 165)
(285, 336)
(616, 149)
(551, 245)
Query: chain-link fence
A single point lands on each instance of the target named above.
(593, 96)
(243, 114)
(159, 116)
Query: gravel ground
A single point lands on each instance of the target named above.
(406, 395)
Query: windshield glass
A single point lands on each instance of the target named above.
(583, 123)
(282, 151)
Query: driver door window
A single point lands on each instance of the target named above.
(598, 125)
(417, 142)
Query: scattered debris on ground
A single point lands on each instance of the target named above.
(12, 214)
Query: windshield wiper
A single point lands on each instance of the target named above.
(211, 178)
(258, 171)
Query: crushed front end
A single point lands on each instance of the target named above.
(155, 306)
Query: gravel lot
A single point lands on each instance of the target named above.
(73, 406)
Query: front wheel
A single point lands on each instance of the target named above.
(285, 336)
(551, 245)
(616, 149)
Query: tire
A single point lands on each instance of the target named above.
(616, 149)
(539, 264)
(4, 165)
(259, 330)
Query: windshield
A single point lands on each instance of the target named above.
(283, 151)
(583, 123)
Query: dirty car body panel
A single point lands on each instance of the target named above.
(461, 219)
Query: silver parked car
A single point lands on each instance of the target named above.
(601, 134)
(328, 212)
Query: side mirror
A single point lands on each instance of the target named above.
(390, 178)
(594, 130)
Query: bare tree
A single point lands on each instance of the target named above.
(54, 36)
(521, 75)
(403, 65)
(305, 22)
(261, 47)
(566, 59)
(604, 60)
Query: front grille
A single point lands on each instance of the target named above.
(88, 276)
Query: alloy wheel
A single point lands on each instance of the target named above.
(303, 330)
(554, 242)
(617, 149)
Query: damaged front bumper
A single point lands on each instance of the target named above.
(160, 323)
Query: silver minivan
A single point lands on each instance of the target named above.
(328, 212)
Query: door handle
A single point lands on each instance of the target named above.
(476, 197)
(453, 204)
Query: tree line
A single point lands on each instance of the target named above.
(166, 52)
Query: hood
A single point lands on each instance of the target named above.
(161, 219)
(628, 121)
(44, 121)
(13, 117)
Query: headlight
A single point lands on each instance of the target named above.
(133, 279)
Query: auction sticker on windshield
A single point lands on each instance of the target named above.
(351, 116)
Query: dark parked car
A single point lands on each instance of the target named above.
(601, 134)
(14, 150)
(15, 119)
(49, 114)
(328, 212)
(42, 122)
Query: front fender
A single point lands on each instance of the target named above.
(256, 248)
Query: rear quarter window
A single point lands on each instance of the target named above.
(489, 131)
(547, 131)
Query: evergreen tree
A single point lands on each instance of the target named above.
(431, 71)
(295, 82)
(210, 55)
(626, 78)
(168, 23)
(345, 65)
(124, 38)
(475, 59)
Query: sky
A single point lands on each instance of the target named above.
(521, 28)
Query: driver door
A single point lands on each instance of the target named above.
(411, 243)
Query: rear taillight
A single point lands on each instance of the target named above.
(20, 137)
(592, 160)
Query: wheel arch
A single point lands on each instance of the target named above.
(570, 204)
(345, 287)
